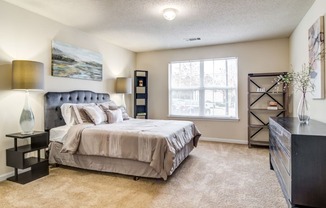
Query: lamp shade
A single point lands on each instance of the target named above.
(27, 75)
(123, 85)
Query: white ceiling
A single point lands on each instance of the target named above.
(138, 25)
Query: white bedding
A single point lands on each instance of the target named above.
(57, 134)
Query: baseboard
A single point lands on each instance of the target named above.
(4, 177)
(233, 141)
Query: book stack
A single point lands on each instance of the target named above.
(141, 115)
(272, 105)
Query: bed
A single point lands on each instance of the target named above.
(136, 147)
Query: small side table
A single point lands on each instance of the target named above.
(15, 157)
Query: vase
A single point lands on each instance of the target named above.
(303, 109)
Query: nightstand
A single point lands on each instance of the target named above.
(15, 157)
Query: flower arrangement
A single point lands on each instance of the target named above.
(301, 80)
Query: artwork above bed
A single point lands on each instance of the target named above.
(72, 62)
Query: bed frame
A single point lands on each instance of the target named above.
(53, 118)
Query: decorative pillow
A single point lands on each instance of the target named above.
(80, 114)
(114, 116)
(107, 105)
(125, 115)
(68, 114)
(96, 114)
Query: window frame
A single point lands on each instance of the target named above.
(201, 89)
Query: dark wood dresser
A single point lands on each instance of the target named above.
(298, 157)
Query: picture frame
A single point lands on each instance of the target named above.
(316, 47)
(73, 62)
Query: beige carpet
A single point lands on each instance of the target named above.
(214, 175)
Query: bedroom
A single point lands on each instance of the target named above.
(26, 35)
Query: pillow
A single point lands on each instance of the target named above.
(125, 115)
(114, 116)
(107, 105)
(80, 114)
(67, 114)
(96, 114)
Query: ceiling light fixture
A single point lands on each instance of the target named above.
(169, 14)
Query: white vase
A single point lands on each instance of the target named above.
(27, 121)
(303, 109)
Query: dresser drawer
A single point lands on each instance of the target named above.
(281, 171)
(283, 137)
(283, 156)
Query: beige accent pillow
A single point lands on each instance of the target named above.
(107, 105)
(80, 114)
(114, 116)
(96, 114)
(125, 115)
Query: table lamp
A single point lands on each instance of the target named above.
(123, 85)
(27, 75)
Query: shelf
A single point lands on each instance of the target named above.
(258, 126)
(258, 103)
(27, 148)
(275, 93)
(265, 109)
(259, 143)
(35, 173)
(19, 135)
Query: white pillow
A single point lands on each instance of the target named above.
(114, 116)
(68, 114)
(96, 114)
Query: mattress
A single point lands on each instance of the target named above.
(57, 134)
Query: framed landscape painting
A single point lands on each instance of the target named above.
(72, 62)
(317, 57)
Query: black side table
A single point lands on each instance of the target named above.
(16, 157)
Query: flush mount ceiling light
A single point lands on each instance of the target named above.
(169, 14)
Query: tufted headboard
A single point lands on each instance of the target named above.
(54, 100)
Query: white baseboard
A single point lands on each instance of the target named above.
(4, 177)
(233, 141)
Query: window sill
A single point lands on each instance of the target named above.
(203, 118)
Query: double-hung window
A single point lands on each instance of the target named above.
(204, 88)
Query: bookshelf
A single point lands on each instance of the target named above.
(141, 94)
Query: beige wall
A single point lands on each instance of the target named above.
(258, 56)
(25, 35)
(299, 55)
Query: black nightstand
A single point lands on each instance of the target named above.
(16, 157)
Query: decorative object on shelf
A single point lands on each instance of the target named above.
(316, 57)
(123, 85)
(72, 62)
(140, 83)
(27, 75)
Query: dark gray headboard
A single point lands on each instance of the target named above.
(54, 100)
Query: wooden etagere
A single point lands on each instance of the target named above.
(266, 98)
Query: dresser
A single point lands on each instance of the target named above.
(298, 157)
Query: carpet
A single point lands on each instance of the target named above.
(214, 175)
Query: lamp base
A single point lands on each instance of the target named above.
(27, 120)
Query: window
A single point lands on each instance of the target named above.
(204, 88)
